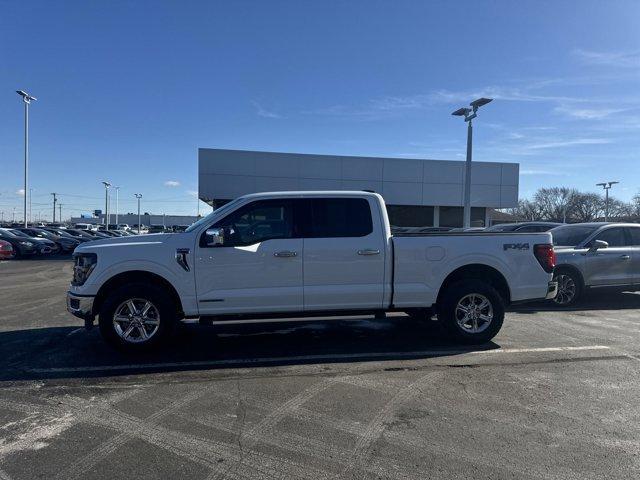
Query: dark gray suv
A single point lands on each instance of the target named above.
(595, 255)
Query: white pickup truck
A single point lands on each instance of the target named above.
(294, 254)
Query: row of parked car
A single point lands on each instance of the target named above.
(47, 240)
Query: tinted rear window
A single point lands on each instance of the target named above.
(571, 235)
(635, 235)
(340, 217)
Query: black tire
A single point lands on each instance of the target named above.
(160, 301)
(451, 317)
(570, 287)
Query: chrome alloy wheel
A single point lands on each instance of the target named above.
(474, 313)
(136, 320)
(566, 289)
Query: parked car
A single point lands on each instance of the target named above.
(526, 227)
(247, 258)
(64, 233)
(6, 250)
(80, 234)
(85, 226)
(96, 234)
(156, 229)
(44, 246)
(65, 244)
(123, 226)
(595, 255)
(22, 246)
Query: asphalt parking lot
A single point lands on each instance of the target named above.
(554, 396)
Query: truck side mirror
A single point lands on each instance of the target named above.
(598, 244)
(214, 237)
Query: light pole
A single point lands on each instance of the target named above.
(26, 98)
(30, 195)
(606, 186)
(106, 204)
(469, 114)
(117, 191)
(60, 210)
(54, 207)
(13, 216)
(138, 196)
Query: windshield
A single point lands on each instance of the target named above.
(212, 215)
(18, 233)
(7, 234)
(571, 235)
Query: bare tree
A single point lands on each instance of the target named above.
(555, 203)
(587, 207)
(635, 205)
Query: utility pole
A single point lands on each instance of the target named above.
(54, 207)
(117, 191)
(60, 210)
(606, 186)
(138, 196)
(469, 114)
(26, 98)
(13, 216)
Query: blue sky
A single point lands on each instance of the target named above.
(128, 91)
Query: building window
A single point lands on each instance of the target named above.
(410, 215)
(452, 216)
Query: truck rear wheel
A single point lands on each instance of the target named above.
(471, 311)
(137, 317)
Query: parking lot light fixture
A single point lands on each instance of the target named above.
(106, 204)
(606, 186)
(26, 99)
(55, 199)
(138, 196)
(117, 192)
(469, 114)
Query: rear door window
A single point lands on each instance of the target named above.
(634, 236)
(339, 217)
(613, 236)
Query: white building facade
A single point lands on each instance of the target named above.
(418, 192)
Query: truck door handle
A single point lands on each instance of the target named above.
(368, 251)
(285, 253)
(625, 257)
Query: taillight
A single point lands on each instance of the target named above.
(545, 255)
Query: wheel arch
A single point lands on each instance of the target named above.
(477, 271)
(566, 267)
(136, 276)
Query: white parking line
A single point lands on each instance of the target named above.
(306, 358)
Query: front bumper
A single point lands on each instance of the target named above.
(81, 307)
(552, 290)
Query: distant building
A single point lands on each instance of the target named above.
(418, 192)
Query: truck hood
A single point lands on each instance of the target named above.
(115, 242)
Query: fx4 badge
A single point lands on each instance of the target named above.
(516, 246)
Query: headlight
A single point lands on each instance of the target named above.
(26, 244)
(84, 263)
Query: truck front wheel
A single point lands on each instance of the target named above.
(136, 317)
(471, 311)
